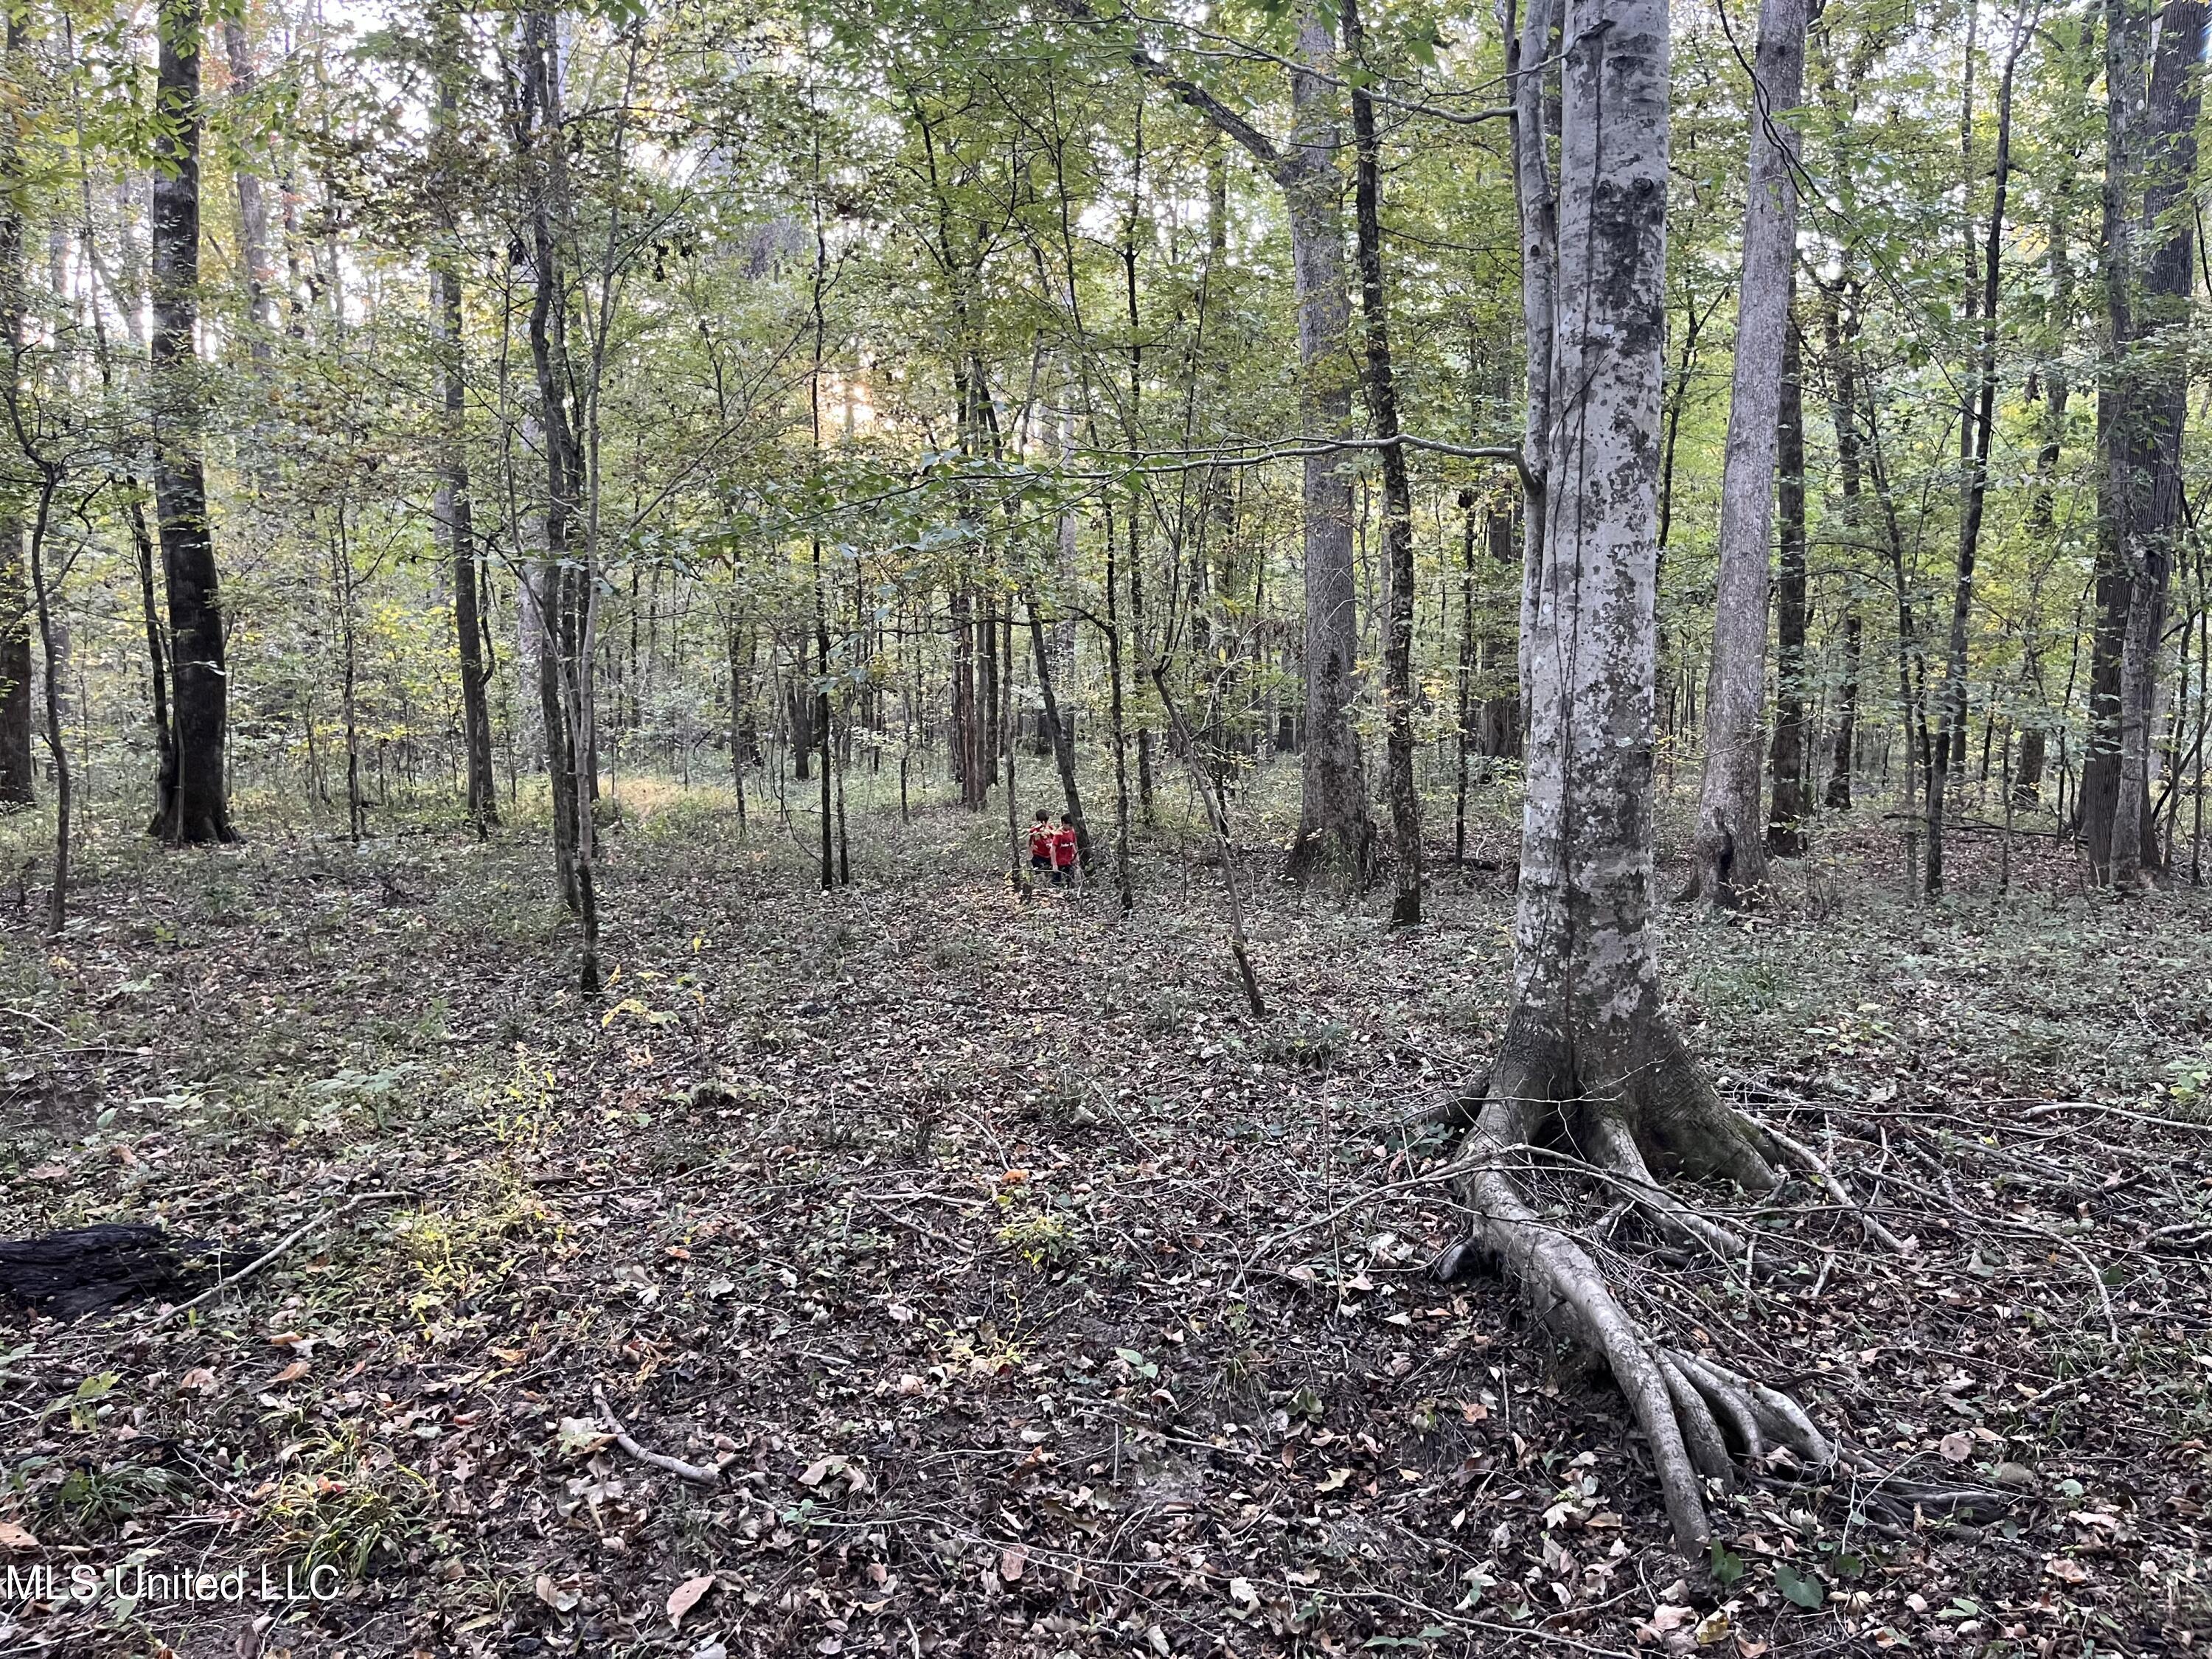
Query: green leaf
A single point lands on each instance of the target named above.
(1728, 1565)
(1803, 1588)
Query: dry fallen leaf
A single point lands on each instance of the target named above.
(686, 1596)
(556, 1596)
(1664, 1618)
(1012, 1560)
(291, 1373)
(13, 1537)
(1335, 1479)
(820, 1469)
(2067, 1570)
(199, 1377)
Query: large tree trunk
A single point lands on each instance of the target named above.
(2151, 138)
(1588, 1050)
(194, 803)
(1730, 847)
(1397, 496)
(1335, 838)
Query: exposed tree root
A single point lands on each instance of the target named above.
(1615, 1146)
(1698, 1415)
(1890, 1490)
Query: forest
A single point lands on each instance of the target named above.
(932, 827)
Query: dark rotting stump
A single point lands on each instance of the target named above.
(85, 1269)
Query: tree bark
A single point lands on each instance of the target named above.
(1730, 849)
(194, 803)
(1381, 386)
(564, 658)
(1463, 689)
(1528, 39)
(15, 775)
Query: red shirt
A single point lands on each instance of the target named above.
(1041, 841)
(1063, 846)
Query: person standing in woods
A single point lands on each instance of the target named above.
(1064, 842)
(1041, 840)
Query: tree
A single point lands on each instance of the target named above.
(1335, 837)
(193, 794)
(1977, 424)
(15, 785)
(1589, 1058)
(2154, 96)
(1381, 383)
(455, 508)
(1730, 849)
(563, 581)
(1791, 804)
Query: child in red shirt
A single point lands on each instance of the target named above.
(1041, 849)
(1063, 852)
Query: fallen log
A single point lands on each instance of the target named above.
(84, 1269)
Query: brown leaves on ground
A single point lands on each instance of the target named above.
(1020, 1289)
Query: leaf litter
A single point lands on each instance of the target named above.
(1019, 1295)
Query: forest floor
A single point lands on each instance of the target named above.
(1025, 1296)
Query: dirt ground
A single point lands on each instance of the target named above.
(1006, 1290)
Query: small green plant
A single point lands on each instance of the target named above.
(1311, 1043)
(1166, 1012)
(98, 1499)
(344, 1506)
(1038, 1233)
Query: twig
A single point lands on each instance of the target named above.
(228, 1282)
(1810, 1161)
(2049, 1106)
(2055, 1389)
(702, 1474)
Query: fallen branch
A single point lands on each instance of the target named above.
(702, 1474)
(302, 1230)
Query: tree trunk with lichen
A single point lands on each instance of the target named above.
(1590, 1060)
